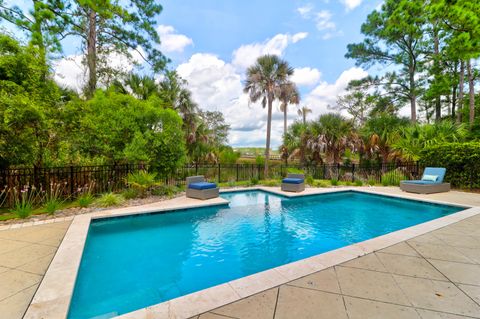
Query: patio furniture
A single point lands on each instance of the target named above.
(293, 183)
(198, 187)
(431, 182)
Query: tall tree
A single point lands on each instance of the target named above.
(264, 81)
(394, 35)
(116, 27)
(45, 23)
(288, 95)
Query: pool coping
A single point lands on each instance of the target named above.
(52, 299)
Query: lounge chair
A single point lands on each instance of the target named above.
(198, 188)
(431, 182)
(293, 183)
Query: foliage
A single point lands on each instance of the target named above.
(460, 160)
(130, 193)
(228, 156)
(109, 199)
(334, 182)
(392, 178)
(85, 200)
(294, 170)
(141, 181)
(358, 182)
(254, 181)
(24, 201)
(309, 180)
(53, 198)
(165, 190)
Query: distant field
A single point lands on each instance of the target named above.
(254, 151)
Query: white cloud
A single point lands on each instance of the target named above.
(71, 72)
(245, 56)
(306, 76)
(351, 4)
(305, 10)
(171, 41)
(326, 93)
(323, 20)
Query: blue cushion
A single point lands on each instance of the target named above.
(202, 185)
(439, 171)
(292, 180)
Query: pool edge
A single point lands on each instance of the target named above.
(53, 296)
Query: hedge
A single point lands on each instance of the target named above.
(462, 161)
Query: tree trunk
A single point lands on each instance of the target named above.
(471, 93)
(438, 105)
(454, 93)
(413, 97)
(460, 92)
(285, 120)
(92, 53)
(269, 128)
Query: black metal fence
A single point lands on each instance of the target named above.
(112, 177)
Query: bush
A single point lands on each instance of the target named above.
(358, 183)
(460, 159)
(52, 205)
(110, 199)
(371, 182)
(334, 182)
(309, 180)
(85, 200)
(271, 182)
(24, 201)
(320, 183)
(260, 160)
(228, 156)
(294, 170)
(392, 178)
(165, 190)
(254, 181)
(130, 193)
(141, 181)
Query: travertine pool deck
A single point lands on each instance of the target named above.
(436, 275)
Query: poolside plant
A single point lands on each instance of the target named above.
(294, 170)
(52, 200)
(24, 201)
(392, 178)
(309, 180)
(371, 182)
(109, 199)
(85, 195)
(130, 193)
(142, 181)
(358, 183)
(254, 181)
(320, 183)
(334, 182)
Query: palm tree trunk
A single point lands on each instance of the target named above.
(460, 92)
(471, 93)
(285, 120)
(269, 128)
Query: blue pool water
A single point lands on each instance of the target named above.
(133, 262)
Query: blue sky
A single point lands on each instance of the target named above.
(212, 42)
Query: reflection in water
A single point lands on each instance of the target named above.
(133, 262)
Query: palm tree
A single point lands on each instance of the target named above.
(288, 94)
(303, 112)
(333, 135)
(264, 80)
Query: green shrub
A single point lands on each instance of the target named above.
(392, 178)
(142, 181)
(130, 193)
(358, 182)
(294, 170)
(334, 182)
(320, 183)
(371, 182)
(309, 180)
(52, 205)
(271, 182)
(460, 159)
(254, 181)
(348, 183)
(85, 200)
(110, 199)
(165, 190)
(24, 200)
(260, 160)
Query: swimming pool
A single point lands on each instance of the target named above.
(136, 261)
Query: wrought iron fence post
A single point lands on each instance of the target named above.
(338, 171)
(219, 172)
(71, 179)
(237, 172)
(196, 168)
(353, 172)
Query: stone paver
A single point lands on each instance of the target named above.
(431, 276)
(25, 254)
